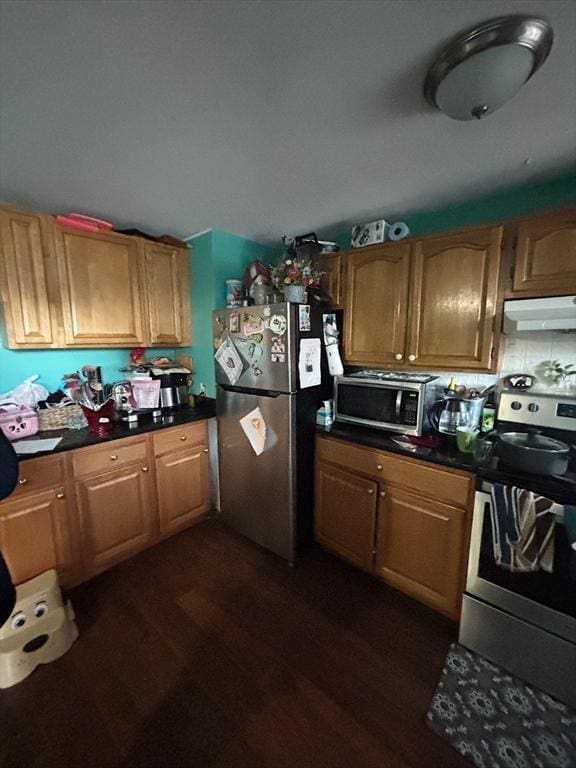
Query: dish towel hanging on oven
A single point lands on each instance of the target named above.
(522, 529)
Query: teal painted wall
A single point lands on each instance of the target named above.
(514, 201)
(17, 365)
(202, 291)
(217, 256)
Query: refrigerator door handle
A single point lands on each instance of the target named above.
(249, 391)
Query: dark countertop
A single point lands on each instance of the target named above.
(446, 454)
(80, 438)
(561, 489)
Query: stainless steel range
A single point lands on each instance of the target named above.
(519, 607)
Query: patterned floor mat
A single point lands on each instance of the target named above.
(496, 720)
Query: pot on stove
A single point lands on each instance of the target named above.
(533, 452)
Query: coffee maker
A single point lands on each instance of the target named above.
(174, 387)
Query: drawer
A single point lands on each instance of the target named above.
(434, 481)
(37, 474)
(175, 438)
(117, 453)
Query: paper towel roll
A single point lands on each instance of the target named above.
(398, 231)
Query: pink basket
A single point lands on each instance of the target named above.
(17, 421)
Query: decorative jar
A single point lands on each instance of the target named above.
(295, 293)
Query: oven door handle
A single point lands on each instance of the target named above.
(481, 499)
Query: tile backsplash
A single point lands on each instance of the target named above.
(524, 353)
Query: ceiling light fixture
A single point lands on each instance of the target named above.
(486, 66)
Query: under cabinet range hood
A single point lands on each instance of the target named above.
(554, 314)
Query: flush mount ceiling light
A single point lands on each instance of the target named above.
(486, 66)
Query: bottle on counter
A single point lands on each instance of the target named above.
(324, 415)
(488, 418)
(488, 414)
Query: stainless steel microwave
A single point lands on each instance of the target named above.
(389, 400)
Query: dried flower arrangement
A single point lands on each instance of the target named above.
(296, 271)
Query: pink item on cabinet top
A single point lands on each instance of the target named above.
(99, 223)
(17, 421)
(68, 221)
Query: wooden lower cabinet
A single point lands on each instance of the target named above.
(422, 548)
(383, 513)
(83, 511)
(115, 512)
(183, 488)
(345, 516)
(35, 535)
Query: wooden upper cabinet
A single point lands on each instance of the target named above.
(25, 242)
(454, 300)
(101, 288)
(377, 280)
(168, 292)
(345, 514)
(545, 256)
(331, 281)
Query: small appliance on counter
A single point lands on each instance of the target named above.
(174, 386)
(390, 400)
(451, 412)
(122, 395)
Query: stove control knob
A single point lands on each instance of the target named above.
(515, 405)
(533, 407)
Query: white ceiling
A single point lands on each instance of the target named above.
(261, 117)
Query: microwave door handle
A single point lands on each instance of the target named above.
(398, 405)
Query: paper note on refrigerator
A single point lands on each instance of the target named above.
(309, 363)
(331, 334)
(230, 361)
(254, 428)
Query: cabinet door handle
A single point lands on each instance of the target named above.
(205, 450)
(144, 469)
(113, 457)
(23, 481)
(60, 496)
(382, 493)
(378, 467)
(398, 356)
(370, 491)
(411, 358)
(184, 437)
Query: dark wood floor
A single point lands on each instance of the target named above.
(207, 651)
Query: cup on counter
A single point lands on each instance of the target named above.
(483, 450)
(466, 438)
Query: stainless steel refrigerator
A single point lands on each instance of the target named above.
(266, 421)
